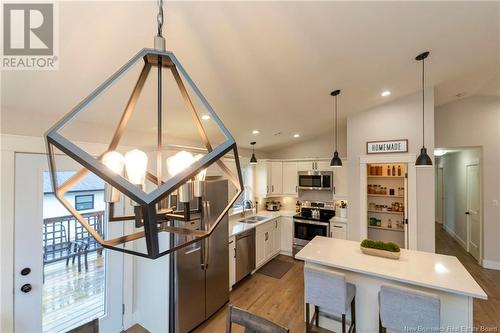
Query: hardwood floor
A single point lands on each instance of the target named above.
(279, 300)
(282, 300)
(486, 313)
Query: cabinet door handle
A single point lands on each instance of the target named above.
(296, 188)
(331, 234)
(234, 252)
(334, 192)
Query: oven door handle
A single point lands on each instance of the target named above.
(311, 222)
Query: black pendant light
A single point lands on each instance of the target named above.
(253, 159)
(423, 160)
(336, 161)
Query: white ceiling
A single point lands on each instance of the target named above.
(267, 65)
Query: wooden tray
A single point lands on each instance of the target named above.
(381, 253)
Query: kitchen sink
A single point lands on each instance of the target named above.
(254, 219)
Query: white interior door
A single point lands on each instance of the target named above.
(51, 295)
(473, 211)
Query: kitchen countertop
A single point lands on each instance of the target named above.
(423, 269)
(236, 227)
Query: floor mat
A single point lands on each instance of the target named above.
(275, 268)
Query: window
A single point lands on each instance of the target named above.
(247, 194)
(84, 202)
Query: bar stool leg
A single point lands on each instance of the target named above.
(343, 323)
(316, 312)
(353, 315)
(308, 328)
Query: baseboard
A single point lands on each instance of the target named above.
(286, 253)
(455, 236)
(491, 264)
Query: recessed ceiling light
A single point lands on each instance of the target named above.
(205, 117)
(296, 135)
(255, 132)
(385, 93)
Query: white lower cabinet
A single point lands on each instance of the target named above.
(286, 233)
(267, 241)
(338, 230)
(260, 245)
(232, 261)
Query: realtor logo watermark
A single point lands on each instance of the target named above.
(30, 36)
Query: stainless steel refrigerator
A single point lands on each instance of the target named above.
(199, 273)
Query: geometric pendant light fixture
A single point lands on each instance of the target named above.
(336, 162)
(164, 204)
(423, 160)
(253, 159)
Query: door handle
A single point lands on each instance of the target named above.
(235, 252)
(467, 213)
(26, 288)
(272, 187)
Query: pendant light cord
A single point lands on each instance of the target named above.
(423, 102)
(336, 128)
(159, 18)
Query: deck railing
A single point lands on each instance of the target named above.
(59, 232)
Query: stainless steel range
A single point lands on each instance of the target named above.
(313, 220)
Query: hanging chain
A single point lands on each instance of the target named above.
(159, 17)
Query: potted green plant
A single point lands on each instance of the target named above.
(380, 249)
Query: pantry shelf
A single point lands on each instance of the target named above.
(386, 228)
(388, 177)
(386, 196)
(385, 212)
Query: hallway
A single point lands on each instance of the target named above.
(486, 313)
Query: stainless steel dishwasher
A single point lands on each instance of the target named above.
(245, 254)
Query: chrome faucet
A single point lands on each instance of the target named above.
(250, 204)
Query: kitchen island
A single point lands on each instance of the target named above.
(441, 275)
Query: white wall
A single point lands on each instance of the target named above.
(398, 119)
(475, 122)
(455, 205)
(319, 147)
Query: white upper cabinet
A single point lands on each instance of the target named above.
(290, 178)
(319, 165)
(269, 178)
(340, 181)
(263, 178)
(323, 166)
(306, 165)
(276, 177)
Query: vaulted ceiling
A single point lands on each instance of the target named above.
(265, 65)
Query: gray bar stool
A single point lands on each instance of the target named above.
(402, 309)
(330, 294)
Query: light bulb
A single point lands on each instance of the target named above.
(203, 173)
(179, 162)
(136, 163)
(114, 161)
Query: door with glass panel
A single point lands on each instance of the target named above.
(63, 278)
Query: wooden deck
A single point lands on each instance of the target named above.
(71, 298)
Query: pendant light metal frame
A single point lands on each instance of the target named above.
(336, 161)
(146, 201)
(423, 160)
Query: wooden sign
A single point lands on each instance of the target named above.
(386, 147)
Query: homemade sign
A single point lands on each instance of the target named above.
(384, 147)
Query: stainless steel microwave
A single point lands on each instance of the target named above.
(316, 180)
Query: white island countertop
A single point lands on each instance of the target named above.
(430, 270)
